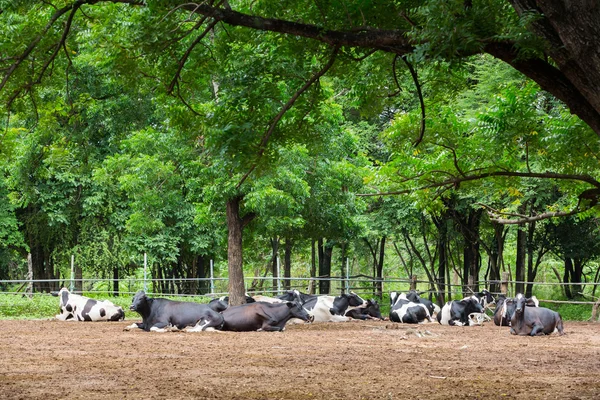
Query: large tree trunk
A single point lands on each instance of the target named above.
(325, 254)
(235, 262)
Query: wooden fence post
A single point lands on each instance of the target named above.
(504, 283)
(413, 282)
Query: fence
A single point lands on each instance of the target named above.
(217, 286)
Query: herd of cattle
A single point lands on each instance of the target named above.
(523, 315)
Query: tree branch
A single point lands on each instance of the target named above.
(263, 143)
(457, 180)
(413, 73)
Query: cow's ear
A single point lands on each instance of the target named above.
(290, 304)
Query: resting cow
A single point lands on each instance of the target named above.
(414, 296)
(505, 307)
(74, 307)
(370, 311)
(262, 316)
(456, 313)
(534, 321)
(160, 315)
(326, 308)
(408, 312)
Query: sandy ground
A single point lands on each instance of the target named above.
(356, 360)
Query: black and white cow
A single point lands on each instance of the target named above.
(370, 311)
(408, 312)
(262, 316)
(534, 321)
(326, 308)
(414, 296)
(456, 313)
(485, 298)
(160, 315)
(74, 307)
(505, 308)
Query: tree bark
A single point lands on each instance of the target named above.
(235, 261)
(287, 264)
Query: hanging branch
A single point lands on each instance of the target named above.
(263, 143)
(413, 73)
(183, 59)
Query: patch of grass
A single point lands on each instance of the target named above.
(43, 305)
(571, 312)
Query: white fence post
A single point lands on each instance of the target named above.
(278, 277)
(72, 286)
(145, 272)
(212, 276)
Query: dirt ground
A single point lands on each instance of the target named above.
(355, 360)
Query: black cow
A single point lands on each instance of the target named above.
(220, 304)
(371, 311)
(456, 313)
(262, 316)
(505, 308)
(162, 314)
(534, 321)
(405, 311)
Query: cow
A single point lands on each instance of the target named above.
(370, 311)
(405, 311)
(161, 315)
(262, 316)
(325, 308)
(220, 304)
(485, 298)
(457, 312)
(413, 296)
(505, 307)
(333, 308)
(74, 307)
(534, 321)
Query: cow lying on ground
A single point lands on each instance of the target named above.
(414, 296)
(160, 315)
(74, 307)
(370, 311)
(405, 311)
(326, 308)
(262, 316)
(505, 308)
(457, 312)
(534, 321)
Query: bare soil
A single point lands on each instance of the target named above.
(50, 359)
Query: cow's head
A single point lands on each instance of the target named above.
(139, 302)
(355, 300)
(472, 305)
(298, 311)
(521, 302)
(373, 309)
(485, 298)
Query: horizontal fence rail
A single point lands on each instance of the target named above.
(267, 285)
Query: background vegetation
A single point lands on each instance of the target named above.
(147, 127)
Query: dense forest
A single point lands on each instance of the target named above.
(439, 138)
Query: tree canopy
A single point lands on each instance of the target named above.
(171, 127)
